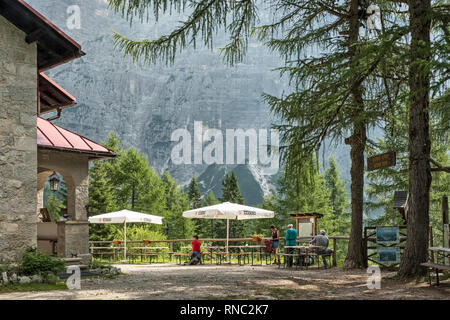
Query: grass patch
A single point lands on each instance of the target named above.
(281, 293)
(32, 287)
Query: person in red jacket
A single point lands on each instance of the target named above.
(196, 250)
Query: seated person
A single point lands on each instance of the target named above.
(65, 216)
(321, 240)
(195, 257)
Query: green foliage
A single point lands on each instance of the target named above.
(128, 182)
(54, 206)
(383, 183)
(140, 232)
(209, 228)
(205, 18)
(100, 265)
(32, 287)
(176, 201)
(140, 187)
(55, 201)
(309, 192)
(101, 200)
(232, 193)
(194, 195)
(195, 199)
(338, 221)
(36, 262)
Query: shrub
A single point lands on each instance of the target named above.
(36, 262)
(138, 232)
(100, 265)
(9, 268)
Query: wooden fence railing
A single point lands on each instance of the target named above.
(99, 247)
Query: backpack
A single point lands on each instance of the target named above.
(268, 246)
(195, 259)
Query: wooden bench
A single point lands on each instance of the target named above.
(435, 266)
(284, 255)
(179, 256)
(324, 256)
(239, 255)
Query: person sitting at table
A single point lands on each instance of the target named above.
(321, 240)
(275, 241)
(291, 237)
(196, 251)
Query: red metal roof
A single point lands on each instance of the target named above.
(52, 136)
(52, 95)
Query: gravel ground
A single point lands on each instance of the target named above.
(170, 281)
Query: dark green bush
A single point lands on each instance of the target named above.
(100, 265)
(35, 261)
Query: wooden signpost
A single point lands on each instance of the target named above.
(380, 161)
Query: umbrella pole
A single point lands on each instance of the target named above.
(125, 239)
(228, 235)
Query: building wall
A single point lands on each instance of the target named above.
(18, 151)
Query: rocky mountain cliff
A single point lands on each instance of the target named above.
(143, 105)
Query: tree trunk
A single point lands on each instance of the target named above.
(133, 195)
(355, 255)
(419, 141)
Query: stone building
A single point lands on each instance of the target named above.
(32, 148)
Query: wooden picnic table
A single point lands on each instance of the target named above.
(438, 249)
(303, 247)
(307, 250)
(153, 248)
(444, 254)
(211, 249)
(441, 252)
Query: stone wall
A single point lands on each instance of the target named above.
(18, 151)
(73, 236)
(73, 240)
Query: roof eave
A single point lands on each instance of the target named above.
(93, 155)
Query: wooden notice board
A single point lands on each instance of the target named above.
(380, 161)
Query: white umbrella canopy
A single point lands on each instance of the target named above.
(125, 216)
(228, 211)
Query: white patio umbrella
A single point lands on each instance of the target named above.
(228, 211)
(125, 216)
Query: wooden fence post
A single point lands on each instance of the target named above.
(445, 209)
(334, 252)
(431, 243)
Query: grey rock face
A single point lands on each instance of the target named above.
(145, 104)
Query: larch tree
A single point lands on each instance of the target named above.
(209, 200)
(424, 49)
(232, 193)
(195, 199)
(101, 200)
(176, 201)
(337, 198)
(194, 194)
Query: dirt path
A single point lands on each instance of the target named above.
(169, 281)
